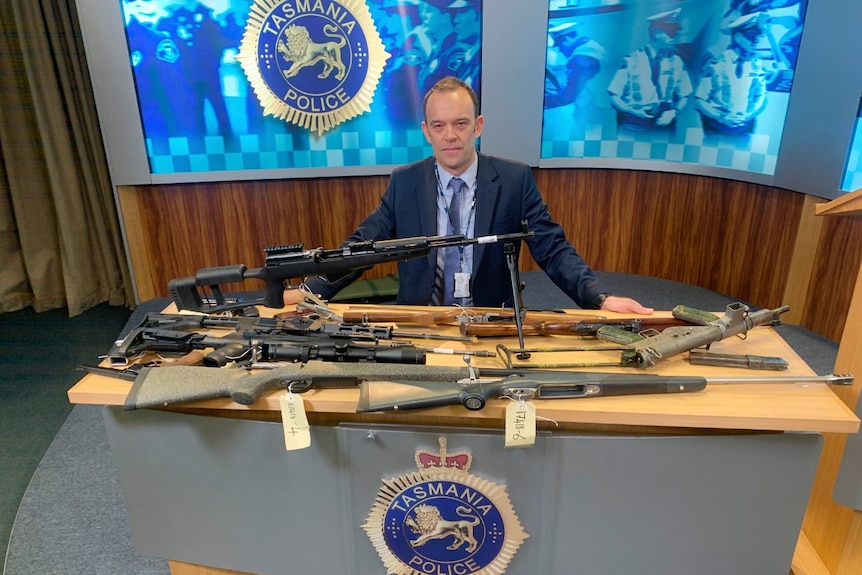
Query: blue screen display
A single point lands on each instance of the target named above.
(201, 113)
(852, 179)
(703, 82)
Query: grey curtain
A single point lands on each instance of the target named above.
(60, 238)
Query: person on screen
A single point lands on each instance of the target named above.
(652, 84)
(783, 33)
(202, 42)
(463, 58)
(573, 60)
(732, 90)
(164, 95)
(424, 42)
(493, 196)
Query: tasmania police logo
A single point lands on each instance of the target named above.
(443, 520)
(315, 63)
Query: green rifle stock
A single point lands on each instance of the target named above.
(160, 387)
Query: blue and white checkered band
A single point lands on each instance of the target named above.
(314, 63)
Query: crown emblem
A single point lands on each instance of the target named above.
(429, 461)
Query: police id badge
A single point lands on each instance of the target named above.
(444, 520)
(314, 63)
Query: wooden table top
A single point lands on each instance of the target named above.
(778, 405)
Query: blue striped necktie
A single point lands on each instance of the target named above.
(452, 256)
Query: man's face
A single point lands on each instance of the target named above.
(662, 38)
(451, 127)
(749, 39)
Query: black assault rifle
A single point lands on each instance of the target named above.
(166, 333)
(291, 261)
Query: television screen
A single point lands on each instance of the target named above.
(702, 82)
(238, 85)
(852, 179)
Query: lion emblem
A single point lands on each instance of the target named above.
(429, 524)
(301, 51)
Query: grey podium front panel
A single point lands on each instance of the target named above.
(223, 492)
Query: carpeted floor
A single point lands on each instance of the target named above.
(71, 517)
(40, 352)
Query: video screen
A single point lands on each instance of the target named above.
(852, 179)
(253, 85)
(703, 82)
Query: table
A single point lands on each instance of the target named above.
(660, 483)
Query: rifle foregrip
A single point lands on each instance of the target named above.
(679, 384)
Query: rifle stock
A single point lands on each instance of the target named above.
(583, 328)
(387, 396)
(157, 387)
(453, 315)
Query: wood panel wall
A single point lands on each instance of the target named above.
(732, 237)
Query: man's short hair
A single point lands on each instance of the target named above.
(451, 84)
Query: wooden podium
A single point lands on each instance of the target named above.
(831, 538)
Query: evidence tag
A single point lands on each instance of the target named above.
(462, 284)
(520, 424)
(297, 433)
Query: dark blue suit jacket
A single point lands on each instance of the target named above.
(506, 194)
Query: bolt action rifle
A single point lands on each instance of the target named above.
(566, 326)
(394, 386)
(203, 292)
(452, 315)
(428, 385)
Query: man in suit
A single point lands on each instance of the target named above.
(496, 195)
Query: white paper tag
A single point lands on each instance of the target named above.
(462, 284)
(297, 434)
(520, 424)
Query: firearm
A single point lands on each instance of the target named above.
(646, 351)
(473, 394)
(292, 261)
(159, 387)
(249, 348)
(450, 315)
(582, 328)
(156, 332)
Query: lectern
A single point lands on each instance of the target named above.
(833, 530)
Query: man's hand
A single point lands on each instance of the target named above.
(624, 305)
(293, 295)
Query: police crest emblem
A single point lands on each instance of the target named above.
(444, 520)
(314, 63)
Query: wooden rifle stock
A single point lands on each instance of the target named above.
(583, 328)
(451, 315)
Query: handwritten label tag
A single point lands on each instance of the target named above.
(520, 424)
(297, 434)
